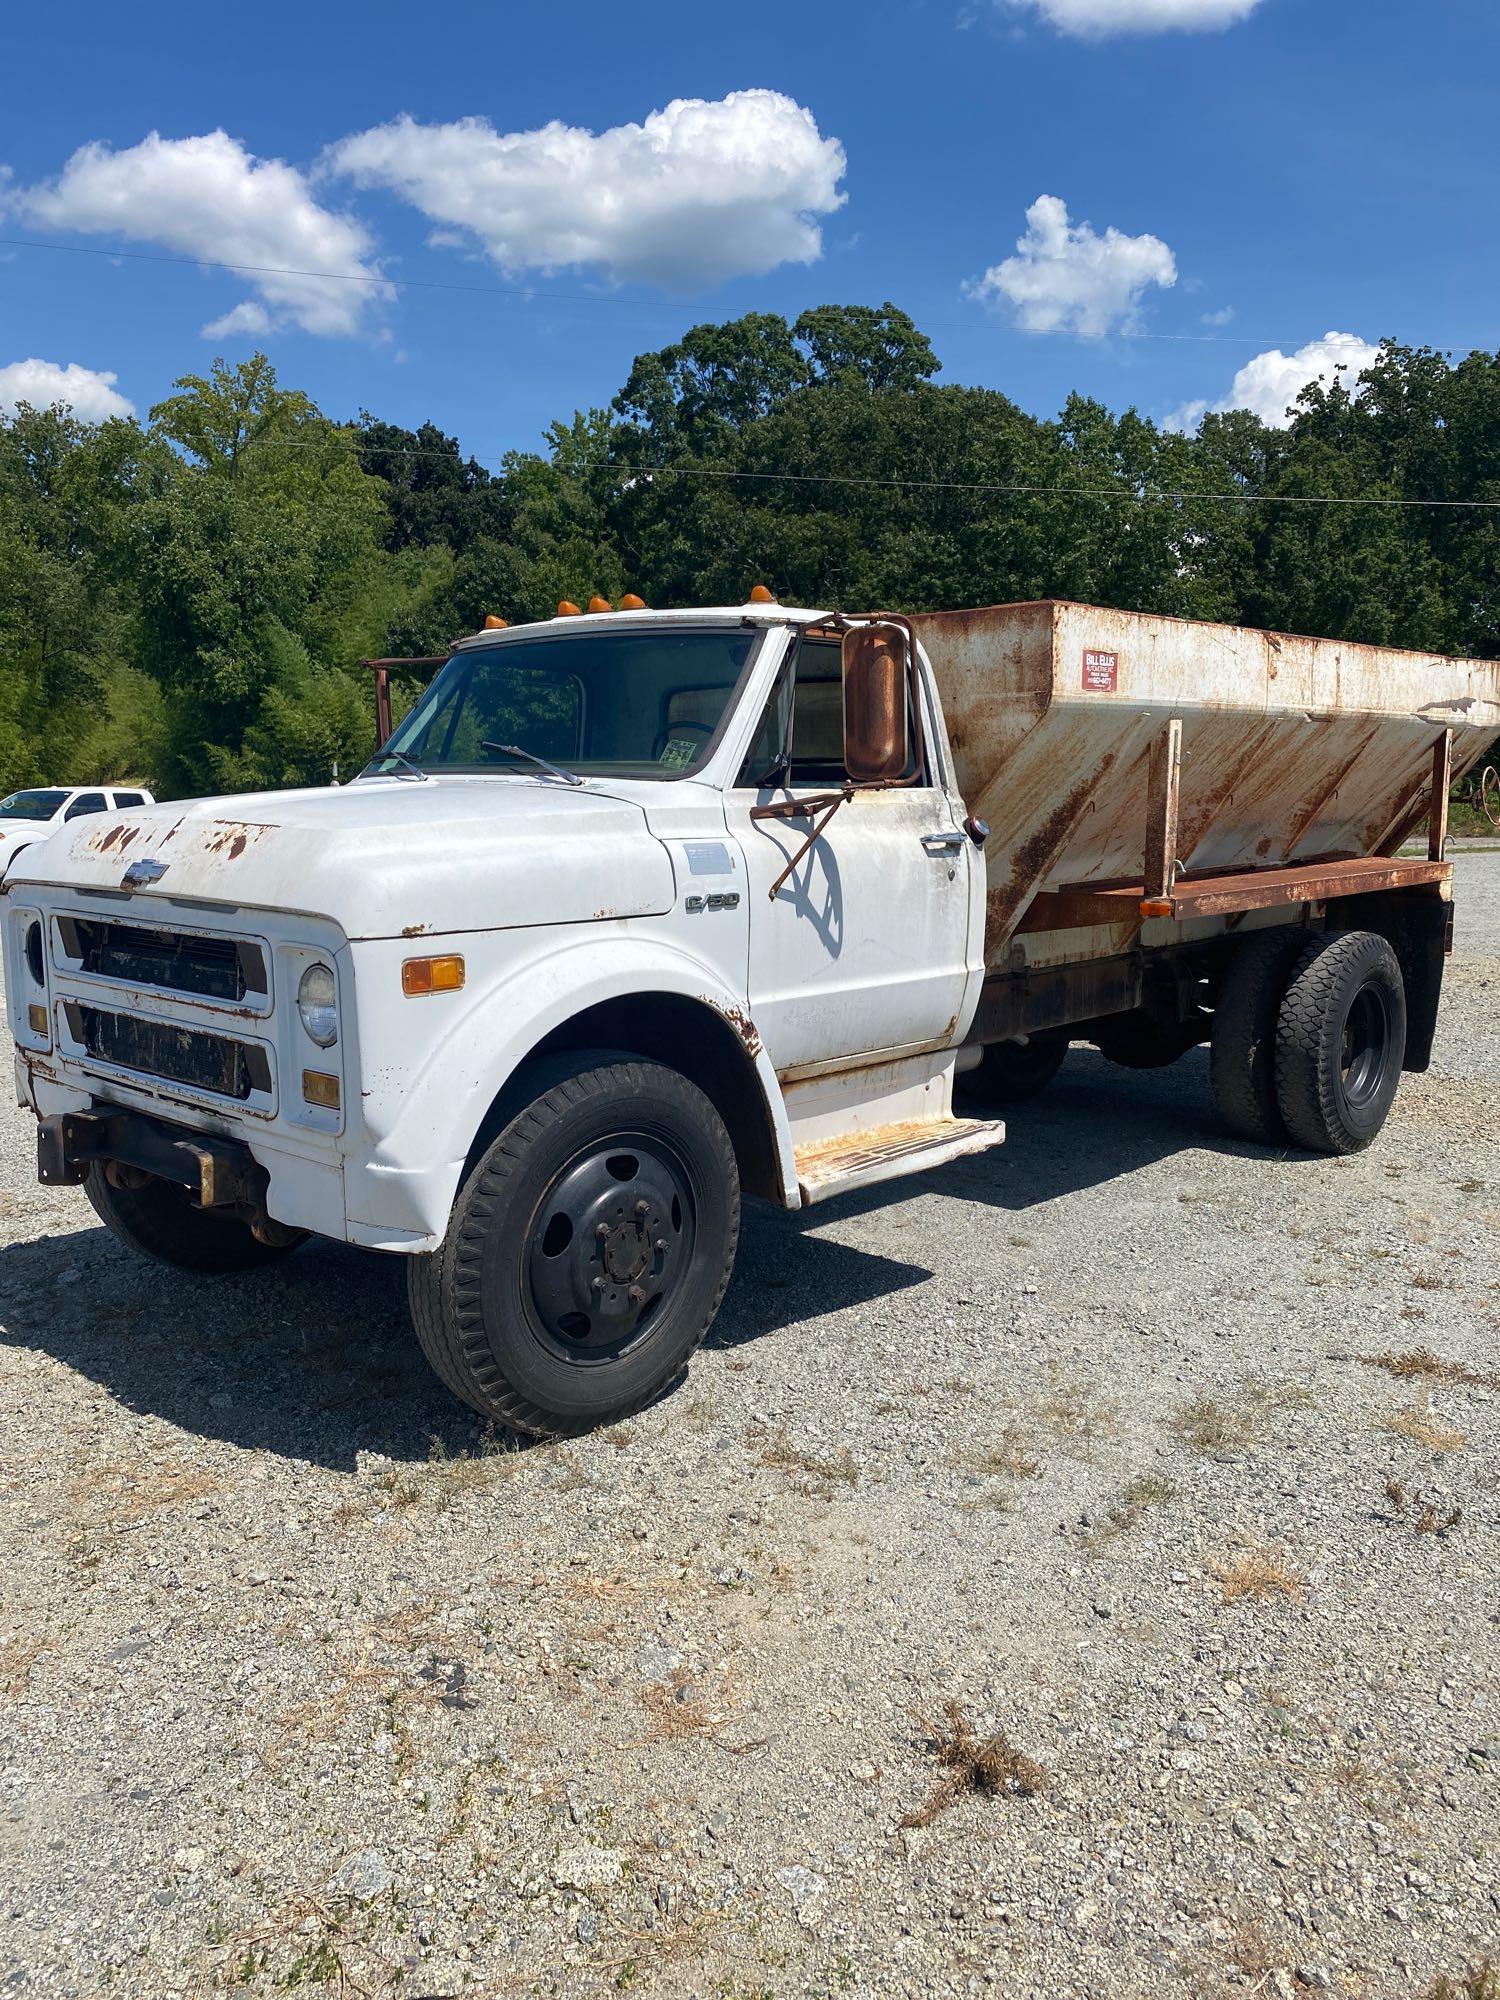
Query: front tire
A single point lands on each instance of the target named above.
(587, 1253)
(160, 1221)
(1340, 1041)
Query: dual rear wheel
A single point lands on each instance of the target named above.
(1309, 1037)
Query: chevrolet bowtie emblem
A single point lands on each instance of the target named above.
(139, 873)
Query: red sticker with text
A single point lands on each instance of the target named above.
(1101, 672)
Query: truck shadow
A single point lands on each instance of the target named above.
(315, 1359)
(1096, 1123)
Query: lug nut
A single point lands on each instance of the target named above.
(601, 1230)
(660, 1243)
(637, 1295)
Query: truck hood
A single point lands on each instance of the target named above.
(387, 857)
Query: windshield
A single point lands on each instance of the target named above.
(636, 704)
(31, 805)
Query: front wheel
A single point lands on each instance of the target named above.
(587, 1253)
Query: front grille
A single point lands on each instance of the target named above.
(218, 968)
(220, 1063)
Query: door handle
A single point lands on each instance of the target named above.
(942, 843)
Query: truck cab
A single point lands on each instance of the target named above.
(593, 862)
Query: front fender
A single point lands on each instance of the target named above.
(432, 1067)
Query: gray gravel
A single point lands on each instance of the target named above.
(302, 1679)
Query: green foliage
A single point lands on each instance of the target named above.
(187, 602)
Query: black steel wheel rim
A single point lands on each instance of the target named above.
(609, 1246)
(1366, 1038)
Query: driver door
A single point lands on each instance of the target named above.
(861, 948)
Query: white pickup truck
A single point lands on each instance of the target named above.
(639, 910)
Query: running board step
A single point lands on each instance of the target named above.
(884, 1152)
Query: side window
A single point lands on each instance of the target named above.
(817, 748)
(130, 798)
(86, 802)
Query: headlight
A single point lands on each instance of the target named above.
(316, 1005)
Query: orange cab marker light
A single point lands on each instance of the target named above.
(1153, 906)
(318, 1087)
(36, 1018)
(600, 604)
(566, 608)
(760, 595)
(494, 624)
(431, 975)
(630, 602)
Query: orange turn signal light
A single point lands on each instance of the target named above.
(1158, 906)
(630, 602)
(36, 1019)
(318, 1087)
(597, 603)
(760, 595)
(566, 608)
(432, 975)
(494, 624)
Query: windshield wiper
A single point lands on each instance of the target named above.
(398, 757)
(530, 757)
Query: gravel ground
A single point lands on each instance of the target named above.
(305, 1681)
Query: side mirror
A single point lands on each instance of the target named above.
(876, 738)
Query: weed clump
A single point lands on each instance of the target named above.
(1257, 1573)
(1420, 1364)
(1422, 1427)
(1141, 1494)
(1423, 1517)
(1480, 1982)
(971, 1763)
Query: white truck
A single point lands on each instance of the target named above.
(32, 813)
(639, 910)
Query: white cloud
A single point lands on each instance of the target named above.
(1066, 278)
(208, 197)
(90, 391)
(697, 192)
(1271, 383)
(1273, 380)
(1220, 318)
(1094, 19)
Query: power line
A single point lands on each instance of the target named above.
(1162, 496)
(532, 294)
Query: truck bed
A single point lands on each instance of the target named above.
(1291, 749)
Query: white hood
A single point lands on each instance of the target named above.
(385, 857)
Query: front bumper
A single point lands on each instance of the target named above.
(220, 1174)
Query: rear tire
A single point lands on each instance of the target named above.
(1340, 1041)
(1011, 1072)
(160, 1221)
(1242, 1059)
(587, 1253)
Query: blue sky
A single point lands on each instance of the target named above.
(1246, 175)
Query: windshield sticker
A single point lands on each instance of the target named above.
(679, 752)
